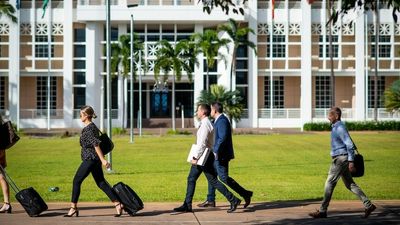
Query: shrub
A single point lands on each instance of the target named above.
(356, 126)
(118, 131)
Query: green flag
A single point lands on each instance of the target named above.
(44, 7)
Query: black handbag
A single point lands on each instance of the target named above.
(106, 145)
(8, 135)
(358, 164)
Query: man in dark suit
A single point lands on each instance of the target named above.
(205, 139)
(223, 152)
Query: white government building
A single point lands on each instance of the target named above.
(299, 64)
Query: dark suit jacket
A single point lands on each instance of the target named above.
(223, 139)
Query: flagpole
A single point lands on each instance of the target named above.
(271, 81)
(108, 61)
(49, 30)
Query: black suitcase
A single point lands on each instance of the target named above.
(131, 201)
(28, 198)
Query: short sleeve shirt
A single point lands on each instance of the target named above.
(88, 140)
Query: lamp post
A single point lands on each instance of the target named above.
(132, 82)
(108, 62)
(140, 93)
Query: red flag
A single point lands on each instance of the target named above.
(310, 1)
(273, 9)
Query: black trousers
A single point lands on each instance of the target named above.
(93, 167)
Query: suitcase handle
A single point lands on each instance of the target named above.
(9, 180)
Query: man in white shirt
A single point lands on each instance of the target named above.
(205, 139)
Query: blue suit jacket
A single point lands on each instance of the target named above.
(223, 146)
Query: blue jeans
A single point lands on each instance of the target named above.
(340, 168)
(222, 168)
(211, 175)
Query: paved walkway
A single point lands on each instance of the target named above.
(286, 212)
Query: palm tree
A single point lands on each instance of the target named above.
(209, 44)
(177, 58)
(392, 97)
(7, 10)
(230, 100)
(239, 37)
(120, 57)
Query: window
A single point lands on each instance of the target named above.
(79, 78)
(79, 64)
(80, 35)
(79, 51)
(279, 46)
(371, 92)
(2, 93)
(41, 95)
(42, 47)
(384, 46)
(323, 92)
(79, 97)
(335, 46)
(278, 95)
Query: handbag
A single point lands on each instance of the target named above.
(8, 135)
(358, 164)
(106, 145)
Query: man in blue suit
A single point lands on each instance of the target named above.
(223, 152)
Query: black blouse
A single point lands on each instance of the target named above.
(88, 140)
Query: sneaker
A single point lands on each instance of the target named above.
(369, 211)
(207, 204)
(318, 214)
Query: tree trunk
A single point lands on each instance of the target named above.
(233, 69)
(173, 102)
(207, 79)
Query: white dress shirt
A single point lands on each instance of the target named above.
(205, 136)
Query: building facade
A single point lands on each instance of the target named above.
(57, 60)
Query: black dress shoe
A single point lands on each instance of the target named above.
(247, 199)
(234, 205)
(207, 204)
(183, 208)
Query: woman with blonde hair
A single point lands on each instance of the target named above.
(92, 159)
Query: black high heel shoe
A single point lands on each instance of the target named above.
(75, 212)
(121, 209)
(8, 209)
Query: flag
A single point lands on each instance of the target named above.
(17, 4)
(310, 2)
(273, 9)
(44, 7)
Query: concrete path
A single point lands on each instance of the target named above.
(286, 212)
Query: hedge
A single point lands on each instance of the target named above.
(357, 126)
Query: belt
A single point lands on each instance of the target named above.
(334, 157)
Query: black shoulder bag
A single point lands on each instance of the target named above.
(106, 145)
(358, 162)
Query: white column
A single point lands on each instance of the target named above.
(306, 74)
(13, 68)
(94, 34)
(253, 69)
(198, 73)
(224, 68)
(68, 55)
(360, 69)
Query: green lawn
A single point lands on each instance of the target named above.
(275, 167)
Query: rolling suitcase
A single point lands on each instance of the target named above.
(28, 198)
(131, 201)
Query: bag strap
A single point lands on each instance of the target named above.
(9, 180)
